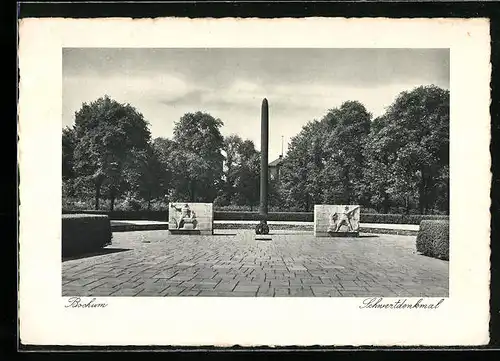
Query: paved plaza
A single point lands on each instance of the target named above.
(233, 263)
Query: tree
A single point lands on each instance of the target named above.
(411, 144)
(231, 148)
(198, 156)
(241, 172)
(302, 165)
(442, 190)
(377, 172)
(345, 156)
(146, 175)
(110, 135)
(325, 160)
(68, 149)
(248, 175)
(165, 150)
(178, 167)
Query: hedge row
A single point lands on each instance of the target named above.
(399, 218)
(273, 216)
(83, 233)
(126, 215)
(433, 239)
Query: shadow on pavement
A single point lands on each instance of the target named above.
(290, 233)
(351, 238)
(100, 252)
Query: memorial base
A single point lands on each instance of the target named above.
(336, 234)
(190, 232)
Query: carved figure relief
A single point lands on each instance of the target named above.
(184, 218)
(343, 221)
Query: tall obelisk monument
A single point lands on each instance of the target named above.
(262, 227)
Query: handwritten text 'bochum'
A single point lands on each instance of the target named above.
(77, 302)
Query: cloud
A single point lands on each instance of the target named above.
(218, 67)
(300, 84)
(190, 98)
(131, 89)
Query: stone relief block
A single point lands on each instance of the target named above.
(190, 218)
(336, 220)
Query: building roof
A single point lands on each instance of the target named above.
(276, 162)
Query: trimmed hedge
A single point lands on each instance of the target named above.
(126, 215)
(433, 239)
(82, 233)
(273, 216)
(399, 218)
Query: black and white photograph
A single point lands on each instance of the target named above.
(199, 180)
(255, 172)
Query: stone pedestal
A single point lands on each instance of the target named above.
(190, 218)
(336, 220)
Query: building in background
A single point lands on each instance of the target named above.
(275, 168)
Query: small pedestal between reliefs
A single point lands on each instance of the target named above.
(262, 228)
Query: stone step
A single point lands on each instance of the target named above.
(400, 229)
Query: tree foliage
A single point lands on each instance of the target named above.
(397, 161)
(325, 160)
(400, 159)
(241, 172)
(409, 150)
(68, 148)
(192, 161)
(109, 139)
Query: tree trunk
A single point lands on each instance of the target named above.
(421, 194)
(149, 201)
(112, 200)
(97, 196)
(385, 204)
(193, 192)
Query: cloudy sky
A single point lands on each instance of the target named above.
(300, 84)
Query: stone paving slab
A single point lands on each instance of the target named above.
(231, 263)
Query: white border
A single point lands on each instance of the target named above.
(461, 320)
